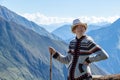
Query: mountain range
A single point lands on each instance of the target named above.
(107, 36)
(66, 30)
(24, 51)
(13, 17)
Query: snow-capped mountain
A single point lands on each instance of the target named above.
(109, 39)
(13, 17)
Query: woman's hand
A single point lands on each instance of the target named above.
(52, 50)
(86, 63)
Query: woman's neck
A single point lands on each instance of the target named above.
(79, 36)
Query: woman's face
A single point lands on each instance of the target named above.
(80, 30)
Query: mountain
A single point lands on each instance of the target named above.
(92, 27)
(24, 54)
(52, 27)
(68, 35)
(13, 17)
(63, 32)
(109, 39)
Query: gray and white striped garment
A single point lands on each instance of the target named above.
(86, 48)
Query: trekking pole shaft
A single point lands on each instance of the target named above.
(50, 66)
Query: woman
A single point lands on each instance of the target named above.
(79, 54)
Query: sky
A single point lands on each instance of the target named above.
(48, 12)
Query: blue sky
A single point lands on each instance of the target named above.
(59, 11)
(65, 8)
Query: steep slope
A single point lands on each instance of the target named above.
(109, 39)
(13, 17)
(24, 54)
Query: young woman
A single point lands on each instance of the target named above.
(79, 54)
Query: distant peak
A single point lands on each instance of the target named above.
(2, 7)
(116, 23)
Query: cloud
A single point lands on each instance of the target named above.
(94, 19)
(42, 19)
(46, 20)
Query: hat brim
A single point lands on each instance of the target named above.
(81, 24)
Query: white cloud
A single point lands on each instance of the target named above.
(42, 19)
(94, 19)
(46, 20)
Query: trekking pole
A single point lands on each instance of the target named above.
(50, 66)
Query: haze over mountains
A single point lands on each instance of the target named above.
(66, 29)
(24, 50)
